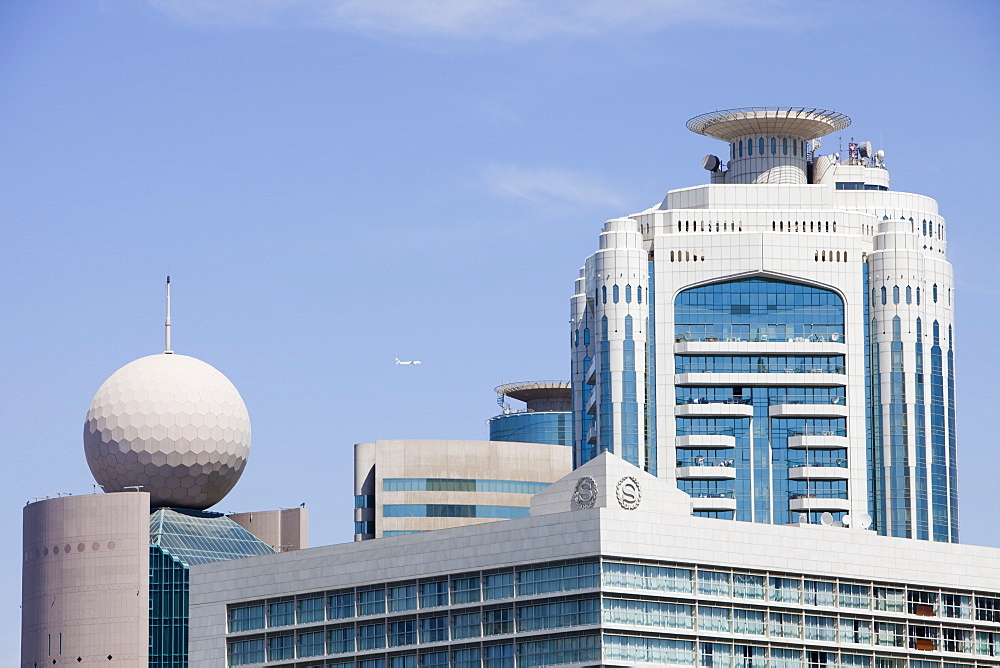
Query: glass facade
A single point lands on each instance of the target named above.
(552, 427)
(762, 311)
(619, 611)
(179, 539)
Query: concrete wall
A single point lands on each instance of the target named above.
(284, 530)
(85, 581)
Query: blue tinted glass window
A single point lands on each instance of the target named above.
(895, 294)
(909, 295)
(749, 146)
(604, 294)
(741, 148)
(884, 296)
(614, 293)
(918, 296)
(795, 148)
(784, 146)
(774, 145)
(628, 294)
(934, 293)
(638, 294)
(586, 336)
(760, 146)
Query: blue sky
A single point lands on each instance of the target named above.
(333, 183)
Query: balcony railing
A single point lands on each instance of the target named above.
(815, 430)
(830, 463)
(714, 400)
(724, 494)
(714, 334)
(704, 430)
(818, 494)
(758, 368)
(805, 399)
(705, 461)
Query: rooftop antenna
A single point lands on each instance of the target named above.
(167, 350)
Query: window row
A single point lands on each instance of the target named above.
(421, 594)
(758, 364)
(786, 226)
(532, 581)
(616, 294)
(744, 332)
(686, 256)
(907, 293)
(453, 510)
(777, 146)
(717, 226)
(858, 185)
(821, 256)
(462, 485)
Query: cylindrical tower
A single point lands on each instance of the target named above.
(609, 348)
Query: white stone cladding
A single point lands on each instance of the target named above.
(756, 221)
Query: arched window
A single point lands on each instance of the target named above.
(784, 146)
(774, 145)
(934, 293)
(884, 294)
(614, 293)
(604, 294)
(586, 336)
(895, 294)
(628, 293)
(909, 295)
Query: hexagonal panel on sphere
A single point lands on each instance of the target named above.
(179, 467)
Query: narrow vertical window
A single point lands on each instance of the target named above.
(576, 337)
(687, 256)
(749, 146)
(918, 296)
(774, 145)
(838, 256)
(895, 294)
(614, 293)
(628, 293)
(586, 336)
(760, 146)
(884, 293)
(638, 294)
(741, 148)
(795, 148)
(934, 293)
(909, 295)
(784, 146)
(823, 256)
(604, 294)
(671, 256)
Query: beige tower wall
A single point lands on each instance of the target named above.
(85, 581)
(285, 530)
(449, 460)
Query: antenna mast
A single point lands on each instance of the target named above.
(166, 325)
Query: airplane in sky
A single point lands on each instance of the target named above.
(409, 363)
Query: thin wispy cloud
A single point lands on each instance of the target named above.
(551, 185)
(469, 20)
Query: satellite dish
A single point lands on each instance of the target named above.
(826, 519)
(864, 520)
(865, 149)
(880, 156)
(711, 163)
(847, 520)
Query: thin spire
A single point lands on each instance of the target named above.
(167, 350)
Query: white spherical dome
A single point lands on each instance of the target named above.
(174, 425)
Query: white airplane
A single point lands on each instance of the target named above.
(409, 363)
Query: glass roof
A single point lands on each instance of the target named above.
(195, 537)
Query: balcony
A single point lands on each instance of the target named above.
(714, 500)
(705, 468)
(835, 469)
(793, 406)
(705, 438)
(817, 438)
(734, 407)
(831, 502)
(810, 336)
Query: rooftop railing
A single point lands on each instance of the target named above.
(806, 399)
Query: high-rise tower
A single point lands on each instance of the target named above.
(778, 342)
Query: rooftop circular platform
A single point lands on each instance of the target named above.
(806, 122)
(534, 390)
